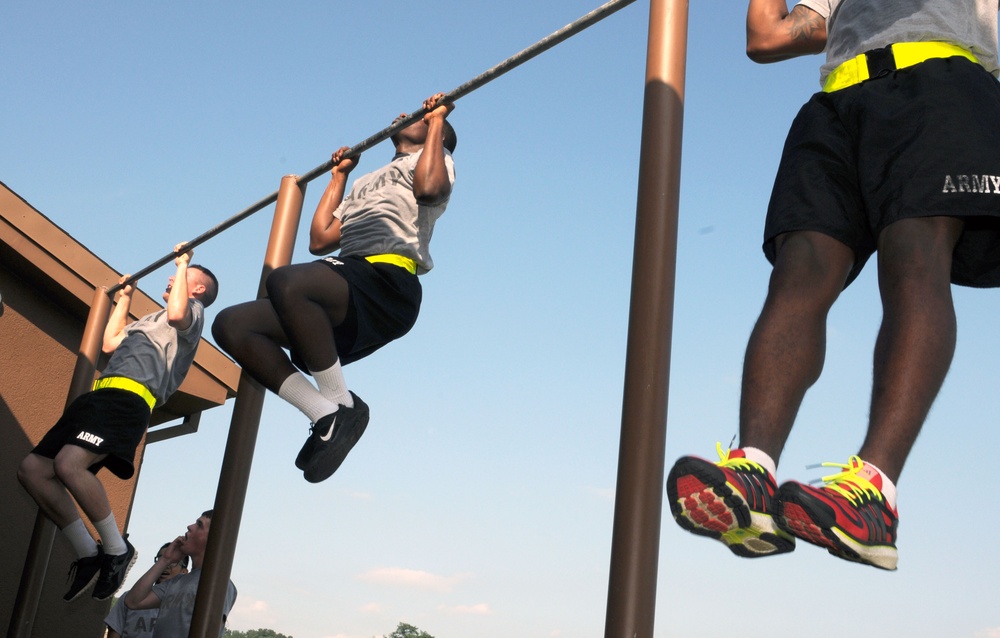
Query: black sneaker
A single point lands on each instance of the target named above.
(309, 447)
(83, 573)
(114, 569)
(332, 438)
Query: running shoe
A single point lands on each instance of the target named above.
(83, 574)
(309, 447)
(114, 569)
(731, 501)
(848, 516)
(332, 440)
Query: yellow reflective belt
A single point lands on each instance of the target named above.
(123, 383)
(855, 70)
(395, 260)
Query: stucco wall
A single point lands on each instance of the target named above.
(38, 345)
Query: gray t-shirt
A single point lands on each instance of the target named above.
(156, 354)
(177, 597)
(380, 215)
(856, 26)
(131, 623)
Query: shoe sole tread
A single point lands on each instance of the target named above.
(703, 502)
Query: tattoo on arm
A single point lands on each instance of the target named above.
(804, 24)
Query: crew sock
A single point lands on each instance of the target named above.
(332, 385)
(83, 543)
(111, 538)
(298, 391)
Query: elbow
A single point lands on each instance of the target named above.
(764, 47)
(430, 197)
(323, 241)
(111, 342)
(756, 55)
(175, 319)
(316, 245)
(180, 326)
(762, 52)
(319, 247)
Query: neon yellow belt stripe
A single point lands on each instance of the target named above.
(395, 260)
(855, 70)
(123, 383)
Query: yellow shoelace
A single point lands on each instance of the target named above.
(738, 462)
(849, 483)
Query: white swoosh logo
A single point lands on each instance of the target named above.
(329, 433)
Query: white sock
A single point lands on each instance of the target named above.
(332, 385)
(111, 539)
(888, 488)
(762, 458)
(83, 543)
(298, 391)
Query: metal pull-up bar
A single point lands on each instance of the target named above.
(487, 76)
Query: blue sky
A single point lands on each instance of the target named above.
(479, 503)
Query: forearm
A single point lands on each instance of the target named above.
(141, 595)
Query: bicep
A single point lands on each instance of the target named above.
(770, 38)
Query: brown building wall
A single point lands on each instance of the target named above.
(38, 344)
(47, 282)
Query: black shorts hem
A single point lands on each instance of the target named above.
(108, 421)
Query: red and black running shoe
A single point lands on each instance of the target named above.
(731, 501)
(848, 516)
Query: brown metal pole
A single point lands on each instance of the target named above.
(243, 428)
(639, 497)
(42, 536)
